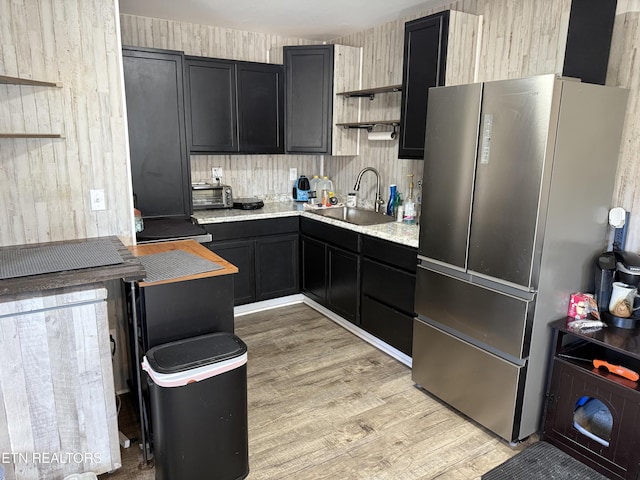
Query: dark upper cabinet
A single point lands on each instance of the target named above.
(309, 98)
(211, 121)
(234, 106)
(425, 51)
(157, 135)
(260, 88)
(589, 40)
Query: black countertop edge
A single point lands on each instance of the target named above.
(130, 270)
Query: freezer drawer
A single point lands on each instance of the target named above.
(488, 317)
(478, 384)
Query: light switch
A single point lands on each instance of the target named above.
(293, 173)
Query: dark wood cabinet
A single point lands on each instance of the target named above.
(260, 88)
(342, 283)
(212, 122)
(388, 291)
(309, 98)
(589, 40)
(234, 106)
(425, 50)
(607, 441)
(331, 267)
(276, 263)
(241, 254)
(157, 134)
(266, 253)
(314, 269)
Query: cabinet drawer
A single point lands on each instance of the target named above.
(340, 237)
(389, 285)
(252, 228)
(469, 379)
(387, 324)
(391, 253)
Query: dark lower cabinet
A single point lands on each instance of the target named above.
(266, 253)
(331, 267)
(241, 254)
(388, 291)
(314, 269)
(276, 266)
(342, 284)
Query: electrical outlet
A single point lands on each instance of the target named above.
(216, 173)
(97, 200)
(293, 173)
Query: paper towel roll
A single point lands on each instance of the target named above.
(381, 136)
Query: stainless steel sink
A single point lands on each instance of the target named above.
(354, 215)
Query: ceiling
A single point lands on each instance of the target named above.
(320, 20)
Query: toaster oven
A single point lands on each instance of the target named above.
(206, 195)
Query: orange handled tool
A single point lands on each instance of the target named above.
(617, 369)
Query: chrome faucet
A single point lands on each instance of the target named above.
(379, 200)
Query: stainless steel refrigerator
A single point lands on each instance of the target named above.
(518, 181)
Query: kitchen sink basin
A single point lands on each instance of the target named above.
(354, 215)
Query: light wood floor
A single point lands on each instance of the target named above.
(325, 404)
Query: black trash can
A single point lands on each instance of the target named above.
(198, 399)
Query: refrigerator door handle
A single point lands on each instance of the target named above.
(485, 282)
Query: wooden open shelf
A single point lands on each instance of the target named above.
(393, 123)
(7, 80)
(31, 135)
(371, 92)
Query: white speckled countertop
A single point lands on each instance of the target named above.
(394, 232)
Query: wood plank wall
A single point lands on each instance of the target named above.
(44, 184)
(56, 385)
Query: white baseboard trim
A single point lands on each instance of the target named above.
(357, 331)
(267, 305)
(301, 298)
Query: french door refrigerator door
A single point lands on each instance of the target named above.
(449, 168)
(509, 187)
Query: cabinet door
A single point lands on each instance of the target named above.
(425, 47)
(157, 135)
(388, 324)
(309, 98)
(276, 266)
(342, 285)
(314, 275)
(260, 90)
(212, 105)
(240, 254)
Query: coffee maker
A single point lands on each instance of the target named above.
(616, 266)
(605, 275)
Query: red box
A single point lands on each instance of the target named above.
(579, 305)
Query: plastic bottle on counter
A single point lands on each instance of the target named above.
(391, 204)
(323, 185)
(409, 215)
(314, 185)
(399, 208)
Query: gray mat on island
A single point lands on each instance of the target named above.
(542, 461)
(36, 260)
(175, 264)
